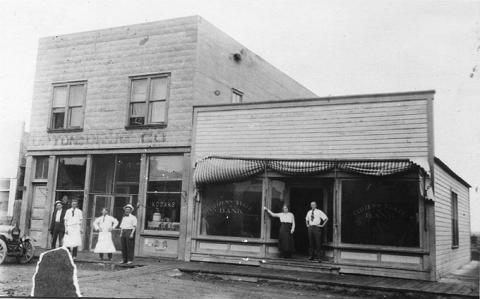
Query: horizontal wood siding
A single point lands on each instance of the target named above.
(105, 59)
(217, 72)
(383, 129)
(448, 259)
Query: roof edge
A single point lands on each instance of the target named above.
(450, 172)
(327, 98)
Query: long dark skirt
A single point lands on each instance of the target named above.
(285, 239)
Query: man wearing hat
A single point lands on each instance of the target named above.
(128, 226)
(57, 225)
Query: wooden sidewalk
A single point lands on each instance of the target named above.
(467, 288)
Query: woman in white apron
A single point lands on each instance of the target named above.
(73, 228)
(104, 225)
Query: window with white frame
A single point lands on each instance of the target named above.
(149, 100)
(237, 96)
(68, 105)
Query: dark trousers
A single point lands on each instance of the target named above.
(127, 245)
(57, 233)
(108, 254)
(73, 250)
(315, 241)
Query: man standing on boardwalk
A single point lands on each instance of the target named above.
(315, 220)
(57, 225)
(128, 226)
(73, 228)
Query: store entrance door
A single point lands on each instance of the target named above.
(300, 199)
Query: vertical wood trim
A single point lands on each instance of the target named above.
(431, 139)
(184, 221)
(192, 224)
(86, 203)
(27, 196)
(432, 258)
(141, 202)
(336, 217)
(49, 201)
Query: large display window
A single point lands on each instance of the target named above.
(71, 179)
(232, 210)
(164, 193)
(380, 212)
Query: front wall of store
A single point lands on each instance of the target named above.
(378, 225)
(374, 221)
(155, 184)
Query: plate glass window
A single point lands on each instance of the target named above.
(164, 193)
(68, 106)
(41, 168)
(233, 210)
(380, 212)
(148, 100)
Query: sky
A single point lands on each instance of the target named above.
(331, 47)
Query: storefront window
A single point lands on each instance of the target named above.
(233, 210)
(127, 174)
(164, 193)
(119, 174)
(41, 168)
(71, 179)
(380, 212)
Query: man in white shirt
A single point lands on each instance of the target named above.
(73, 228)
(128, 226)
(315, 221)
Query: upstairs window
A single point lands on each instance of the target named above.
(454, 203)
(237, 96)
(68, 105)
(148, 100)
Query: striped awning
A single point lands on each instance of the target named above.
(230, 169)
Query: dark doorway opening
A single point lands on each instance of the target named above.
(300, 199)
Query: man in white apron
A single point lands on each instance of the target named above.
(104, 225)
(73, 228)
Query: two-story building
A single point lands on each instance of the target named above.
(112, 119)
(199, 134)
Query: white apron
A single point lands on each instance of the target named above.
(104, 225)
(73, 226)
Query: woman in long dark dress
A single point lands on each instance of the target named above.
(285, 234)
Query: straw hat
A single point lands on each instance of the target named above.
(128, 206)
(58, 202)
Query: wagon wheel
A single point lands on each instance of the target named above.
(28, 252)
(3, 251)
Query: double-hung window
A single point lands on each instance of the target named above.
(149, 100)
(68, 105)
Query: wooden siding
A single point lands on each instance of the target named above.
(217, 71)
(370, 130)
(106, 58)
(447, 258)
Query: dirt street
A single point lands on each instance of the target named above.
(164, 281)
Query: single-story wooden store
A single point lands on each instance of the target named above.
(368, 161)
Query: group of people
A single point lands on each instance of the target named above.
(66, 227)
(315, 220)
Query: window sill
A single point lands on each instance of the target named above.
(455, 247)
(143, 127)
(160, 233)
(64, 130)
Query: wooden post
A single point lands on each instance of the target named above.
(184, 221)
(141, 202)
(26, 209)
(49, 205)
(86, 203)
